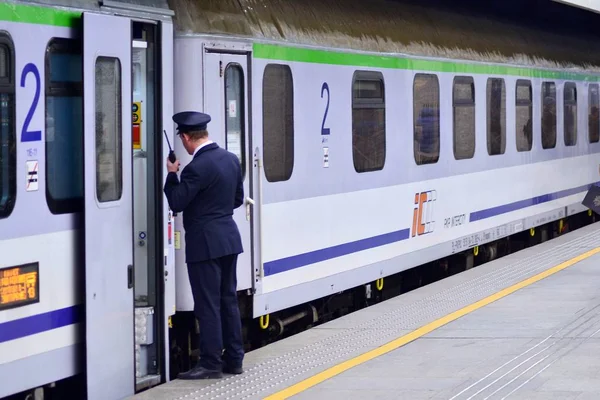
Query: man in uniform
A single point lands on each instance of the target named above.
(209, 190)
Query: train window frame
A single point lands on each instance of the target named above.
(59, 45)
(8, 88)
(279, 171)
(593, 130)
(464, 103)
(544, 105)
(503, 118)
(570, 103)
(437, 133)
(117, 151)
(524, 103)
(368, 103)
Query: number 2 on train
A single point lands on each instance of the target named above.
(26, 134)
(325, 87)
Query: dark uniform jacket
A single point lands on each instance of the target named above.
(211, 188)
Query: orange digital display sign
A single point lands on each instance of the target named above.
(19, 285)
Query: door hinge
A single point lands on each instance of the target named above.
(220, 69)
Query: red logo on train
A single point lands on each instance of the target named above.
(423, 213)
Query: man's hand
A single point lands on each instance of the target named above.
(172, 167)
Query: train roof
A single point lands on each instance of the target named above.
(399, 27)
(590, 5)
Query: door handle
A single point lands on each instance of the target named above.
(249, 202)
(129, 276)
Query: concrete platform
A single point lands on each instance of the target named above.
(501, 330)
(541, 342)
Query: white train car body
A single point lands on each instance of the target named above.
(324, 227)
(42, 309)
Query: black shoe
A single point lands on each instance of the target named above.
(233, 370)
(200, 373)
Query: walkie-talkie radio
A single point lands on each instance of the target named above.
(172, 156)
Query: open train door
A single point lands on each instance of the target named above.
(108, 207)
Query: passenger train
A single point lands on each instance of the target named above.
(375, 138)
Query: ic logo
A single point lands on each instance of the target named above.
(423, 220)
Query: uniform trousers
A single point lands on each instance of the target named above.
(214, 285)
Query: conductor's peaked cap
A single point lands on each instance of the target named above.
(188, 121)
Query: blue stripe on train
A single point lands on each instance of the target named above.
(288, 263)
(518, 205)
(39, 323)
(300, 260)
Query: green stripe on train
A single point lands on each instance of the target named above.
(38, 15)
(286, 53)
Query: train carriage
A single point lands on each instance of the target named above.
(81, 202)
(374, 138)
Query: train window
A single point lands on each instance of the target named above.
(109, 158)
(8, 149)
(234, 111)
(593, 104)
(368, 121)
(463, 102)
(548, 115)
(524, 115)
(570, 114)
(496, 116)
(426, 118)
(64, 126)
(278, 122)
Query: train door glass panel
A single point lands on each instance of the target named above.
(234, 111)
(109, 157)
(225, 99)
(146, 187)
(108, 207)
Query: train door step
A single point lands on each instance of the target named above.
(144, 338)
